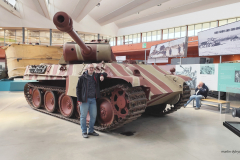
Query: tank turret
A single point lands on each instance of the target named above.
(89, 52)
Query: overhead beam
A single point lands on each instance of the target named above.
(83, 8)
(131, 8)
(42, 7)
(10, 9)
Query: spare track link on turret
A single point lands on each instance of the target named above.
(136, 99)
(183, 99)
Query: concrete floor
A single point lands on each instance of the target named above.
(184, 135)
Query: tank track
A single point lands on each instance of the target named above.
(136, 99)
(159, 111)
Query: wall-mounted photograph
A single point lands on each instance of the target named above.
(223, 40)
(207, 69)
(237, 76)
(175, 48)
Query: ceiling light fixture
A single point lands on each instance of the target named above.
(98, 5)
(159, 4)
(0, 28)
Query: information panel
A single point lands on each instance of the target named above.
(229, 77)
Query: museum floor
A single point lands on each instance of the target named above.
(184, 135)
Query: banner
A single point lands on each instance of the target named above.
(175, 48)
(223, 40)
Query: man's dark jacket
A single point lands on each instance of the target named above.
(83, 84)
(202, 91)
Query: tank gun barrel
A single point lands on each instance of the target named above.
(64, 23)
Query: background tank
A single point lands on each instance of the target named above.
(126, 92)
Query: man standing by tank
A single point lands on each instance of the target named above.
(88, 90)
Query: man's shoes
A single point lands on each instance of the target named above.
(185, 105)
(93, 134)
(196, 108)
(84, 135)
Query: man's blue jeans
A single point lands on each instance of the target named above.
(197, 98)
(90, 106)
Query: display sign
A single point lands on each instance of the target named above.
(175, 48)
(144, 45)
(41, 69)
(223, 40)
(120, 58)
(157, 60)
(229, 77)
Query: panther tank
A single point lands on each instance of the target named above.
(127, 92)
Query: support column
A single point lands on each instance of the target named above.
(123, 40)
(50, 37)
(4, 37)
(161, 34)
(116, 41)
(141, 38)
(220, 61)
(186, 30)
(23, 35)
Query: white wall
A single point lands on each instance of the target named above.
(227, 11)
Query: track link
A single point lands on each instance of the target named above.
(136, 99)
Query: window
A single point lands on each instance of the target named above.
(138, 37)
(238, 18)
(144, 37)
(223, 22)
(1, 37)
(10, 36)
(120, 41)
(45, 37)
(213, 24)
(183, 31)
(177, 32)
(149, 36)
(171, 33)
(198, 28)
(59, 38)
(231, 20)
(130, 39)
(126, 40)
(154, 35)
(82, 36)
(165, 34)
(190, 30)
(205, 26)
(135, 38)
(18, 36)
(33, 37)
(112, 41)
(159, 33)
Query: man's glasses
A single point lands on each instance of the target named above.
(91, 67)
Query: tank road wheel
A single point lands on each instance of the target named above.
(50, 101)
(66, 105)
(105, 111)
(37, 98)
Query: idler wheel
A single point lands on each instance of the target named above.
(66, 105)
(37, 98)
(50, 101)
(105, 111)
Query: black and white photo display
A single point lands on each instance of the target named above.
(223, 40)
